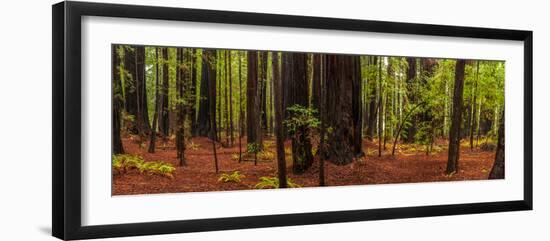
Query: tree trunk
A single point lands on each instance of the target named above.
(209, 71)
(474, 119)
(373, 106)
(253, 105)
(143, 112)
(277, 89)
(157, 104)
(497, 172)
(339, 87)
(302, 158)
(288, 84)
(322, 149)
(456, 119)
(357, 110)
(241, 119)
(411, 92)
(380, 108)
(164, 125)
(232, 137)
(316, 88)
(203, 120)
(180, 124)
(116, 98)
(130, 87)
(263, 88)
(193, 93)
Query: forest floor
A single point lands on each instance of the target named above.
(409, 165)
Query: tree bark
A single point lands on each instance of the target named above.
(302, 158)
(263, 88)
(143, 112)
(339, 87)
(164, 120)
(203, 120)
(357, 110)
(473, 107)
(130, 88)
(253, 105)
(232, 137)
(497, 172)
(116, 99)
(456, 119)
(180, 124)
(277, 88)
(380, 108)
(373, 106)
(157, 104)
(411, 92)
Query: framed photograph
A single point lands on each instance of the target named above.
(171, 120)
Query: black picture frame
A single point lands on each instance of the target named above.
(66, 141)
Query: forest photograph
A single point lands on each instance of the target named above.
(197, 119)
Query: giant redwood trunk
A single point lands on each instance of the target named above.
(456, 118)
(302, 157)
(357, 110)
(116, 99)
(141, 89)
(316, 85)
(339, 85)
(253, 105)
(130, 88)
(497, 172)
(164, 120)
(209, 72)
(288, 84)
(203, 120)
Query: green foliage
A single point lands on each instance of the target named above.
(236, 176)
(301, 119)
(273, 182)
(124, 162)
(253, 148)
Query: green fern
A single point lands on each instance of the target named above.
(233, 177)
(273, 182)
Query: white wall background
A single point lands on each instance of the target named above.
(25, 119)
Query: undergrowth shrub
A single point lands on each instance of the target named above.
(124, 162)
(273, 182)
(236, 176)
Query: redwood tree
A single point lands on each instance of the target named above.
(253, 105)
(497, 172)
(116, 99)
(456, 118)
(277, 89)
(339, 87)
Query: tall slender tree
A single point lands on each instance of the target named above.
(277, 89)
(456, 119)
(497, 172)
(253, 105)
(116, 99)
(164, 118)
(356, 106)
(180, 123)
(232, 137)
(157, 104)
